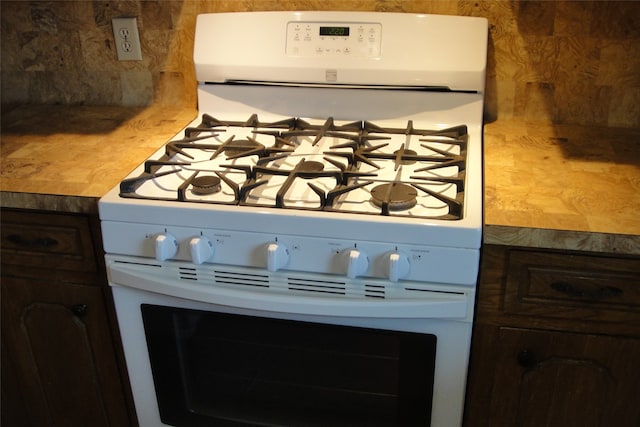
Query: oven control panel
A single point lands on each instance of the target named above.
(334, 39)
(276, 252)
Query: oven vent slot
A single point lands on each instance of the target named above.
(145, 264)
(316, 286)
(374, 291)
(222, 277)
(186, 273)
(433, 291)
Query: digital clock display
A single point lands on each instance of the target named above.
(334, 31)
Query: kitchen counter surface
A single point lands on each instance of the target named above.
(66, 157)
(563, 187)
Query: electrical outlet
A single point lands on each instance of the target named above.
(125, 33)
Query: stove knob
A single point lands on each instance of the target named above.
(166, 246)
(277, 256)
(397, 266)
(355, 262)
(201, 249)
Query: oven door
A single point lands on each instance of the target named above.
(194, 363)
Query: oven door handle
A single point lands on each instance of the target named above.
(434, 305)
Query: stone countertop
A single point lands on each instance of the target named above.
(562, 187)
(547, 186)
(65, 158)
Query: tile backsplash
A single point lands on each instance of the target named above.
(565, 62)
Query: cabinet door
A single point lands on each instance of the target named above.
(562, 379)
(59, 344)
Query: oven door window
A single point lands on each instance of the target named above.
(231, 370)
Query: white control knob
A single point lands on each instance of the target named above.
(201, 249)
(277, 256)
(397, 266)
(166, 246)
(355, 262)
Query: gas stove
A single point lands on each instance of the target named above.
(408, 179)
(295, 148)
(331, 182)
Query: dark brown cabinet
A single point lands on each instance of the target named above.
(60, 362)
(556, 340)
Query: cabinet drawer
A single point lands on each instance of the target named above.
(578, 287)
(47, 240)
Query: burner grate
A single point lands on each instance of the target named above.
(355, 167)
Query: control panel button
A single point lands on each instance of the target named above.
(166, 246)
(277, 256)
(201, 249)
(397, 266)
(355, 262)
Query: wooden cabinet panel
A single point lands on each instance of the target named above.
(563, 379)
(56, 336)
(44, 240)
(589, 288)
(13, 408)
(539, 378)
(556, 340)
(61, 361)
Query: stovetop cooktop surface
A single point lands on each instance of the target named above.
(358, 167)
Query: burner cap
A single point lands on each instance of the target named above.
(240, 146)
(398, 196)
(311, 166)
(206, 184)
(403, 160)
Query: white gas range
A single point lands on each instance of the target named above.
(334, 177)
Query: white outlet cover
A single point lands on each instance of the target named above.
(127, 38)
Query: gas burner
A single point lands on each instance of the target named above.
(394, 196)
(249, 146)
(206, 184)
(402, 154)
(240, 147)
(310, 166)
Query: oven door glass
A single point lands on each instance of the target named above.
(242, 370)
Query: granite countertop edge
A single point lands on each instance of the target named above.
(574, 240)
(49, 202)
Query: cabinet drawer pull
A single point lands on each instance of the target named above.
(526, 358)
(80, 310)
(574, 291)
(38, 242)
